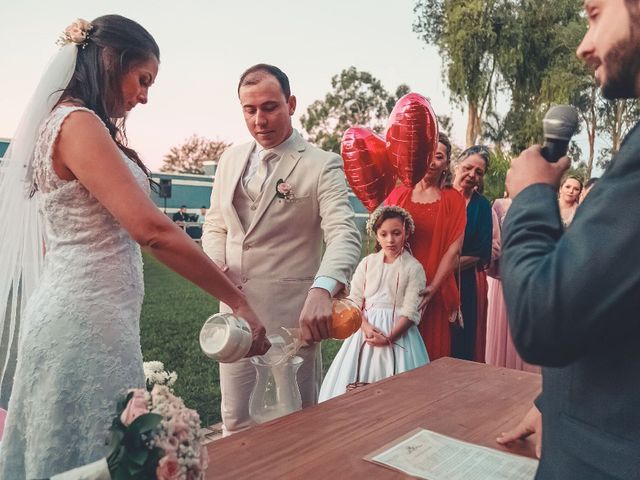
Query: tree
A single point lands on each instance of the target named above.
(538, 63)
(590, 114)
(575, 154)
(445, 125)
(494, 179)
(468, 37)
(569, 80)
(401, 91)
(190, 156)
(495, 131)
(617, 118)
(357, 98)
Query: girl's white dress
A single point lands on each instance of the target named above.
(377, 362)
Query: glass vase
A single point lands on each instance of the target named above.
(276, 391)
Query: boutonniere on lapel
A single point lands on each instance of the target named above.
(284, 190)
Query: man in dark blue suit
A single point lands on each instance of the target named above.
(573, 296)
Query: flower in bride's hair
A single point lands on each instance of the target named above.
(77, 33)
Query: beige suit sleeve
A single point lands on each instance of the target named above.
(416, 282)
(341, 234)
(214, 230)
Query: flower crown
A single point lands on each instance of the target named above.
(406, 216)
(77, 33)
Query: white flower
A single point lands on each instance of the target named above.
(155, 374)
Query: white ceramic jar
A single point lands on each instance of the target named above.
(225, 337)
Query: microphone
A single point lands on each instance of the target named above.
(559, 125)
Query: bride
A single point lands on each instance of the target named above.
(71, 283)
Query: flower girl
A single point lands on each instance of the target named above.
(387, 285)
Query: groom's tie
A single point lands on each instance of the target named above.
(256, 183)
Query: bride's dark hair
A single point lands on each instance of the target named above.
(114, 45)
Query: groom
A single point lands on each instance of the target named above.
(274, 201)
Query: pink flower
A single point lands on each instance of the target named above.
(137, 406)
(284, 189)
(168, 468)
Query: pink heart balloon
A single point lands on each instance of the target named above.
(366, 166)
(412, 138)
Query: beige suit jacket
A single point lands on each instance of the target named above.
(277, 259)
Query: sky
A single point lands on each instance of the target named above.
(206, 45)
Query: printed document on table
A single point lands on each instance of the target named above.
(429, 455)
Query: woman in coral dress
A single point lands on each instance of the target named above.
(439, 215)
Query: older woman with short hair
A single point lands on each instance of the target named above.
(469, 335)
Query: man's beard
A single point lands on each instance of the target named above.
(623, 64)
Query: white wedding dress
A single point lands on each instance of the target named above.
(79, 344)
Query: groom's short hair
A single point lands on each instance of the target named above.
(254, 75)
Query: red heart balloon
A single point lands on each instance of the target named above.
(412, 138)
(366, 166)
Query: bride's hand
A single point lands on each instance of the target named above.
(259, 343)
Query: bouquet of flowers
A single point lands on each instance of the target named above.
(153, 436)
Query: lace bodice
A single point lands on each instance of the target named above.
(72, 216)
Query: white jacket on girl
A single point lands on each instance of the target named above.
(405, 282)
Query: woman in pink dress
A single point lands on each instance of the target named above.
(500, 350)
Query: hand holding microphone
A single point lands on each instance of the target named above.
(545, 164)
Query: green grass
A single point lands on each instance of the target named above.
(172, 315)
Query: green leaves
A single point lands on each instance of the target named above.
(357, 98)
(131, 456)
(189, 157)
(468, 35)
(494, 179)
(144, 424)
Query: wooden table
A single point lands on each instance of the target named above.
(466, 400)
